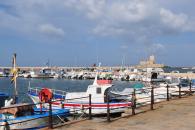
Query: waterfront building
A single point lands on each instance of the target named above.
(149, 63)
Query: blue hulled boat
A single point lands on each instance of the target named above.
(24, 116)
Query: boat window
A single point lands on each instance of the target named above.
(98, 91)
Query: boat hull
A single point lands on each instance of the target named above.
(96, 108)
(36, 121)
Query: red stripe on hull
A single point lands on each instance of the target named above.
(94, 105)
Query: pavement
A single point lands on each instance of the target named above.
(170, 115)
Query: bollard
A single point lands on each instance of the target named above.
(50, 115)
(108, 108)
(152, 98)
(167, 92)
(90, 116)
(179, 91)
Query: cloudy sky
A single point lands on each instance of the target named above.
(83, 32)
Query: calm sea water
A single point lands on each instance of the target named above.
(61, 84)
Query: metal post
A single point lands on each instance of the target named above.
(62, 104)
(50, 115)
(167, 92)
(108, 108)
(152, 98)
(41, 107)
(134, 92)
(179, 91)
(133, 104)
(82, 108)
(190, 87)
(90, 117)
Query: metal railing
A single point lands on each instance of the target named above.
(154, 97)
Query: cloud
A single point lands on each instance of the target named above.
(155, 48)
(133, 18)
(112, 17)
(92, 8)
(51, 30)
(27, 18)
(129, 11)
(179, 22)
(105, 29)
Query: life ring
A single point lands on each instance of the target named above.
(45, 95)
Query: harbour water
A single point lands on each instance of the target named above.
(60, 84)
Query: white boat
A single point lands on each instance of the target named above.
(74, 100)
(171, 81)
(23, 116)
(56, 76)
(142, 94)
(26, 75)
(33, 74)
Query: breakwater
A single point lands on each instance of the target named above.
(183, 75)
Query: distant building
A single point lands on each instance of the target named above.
(149, 63)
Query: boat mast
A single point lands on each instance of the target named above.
(97, 73)
(15, 74)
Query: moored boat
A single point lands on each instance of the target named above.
(76, 101)
(24, 116)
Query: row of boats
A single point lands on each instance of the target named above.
(48, 72)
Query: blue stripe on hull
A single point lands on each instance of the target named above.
(55, 96)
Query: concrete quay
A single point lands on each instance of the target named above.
(65, 68)
(171, 115)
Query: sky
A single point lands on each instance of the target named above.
(84, 32)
